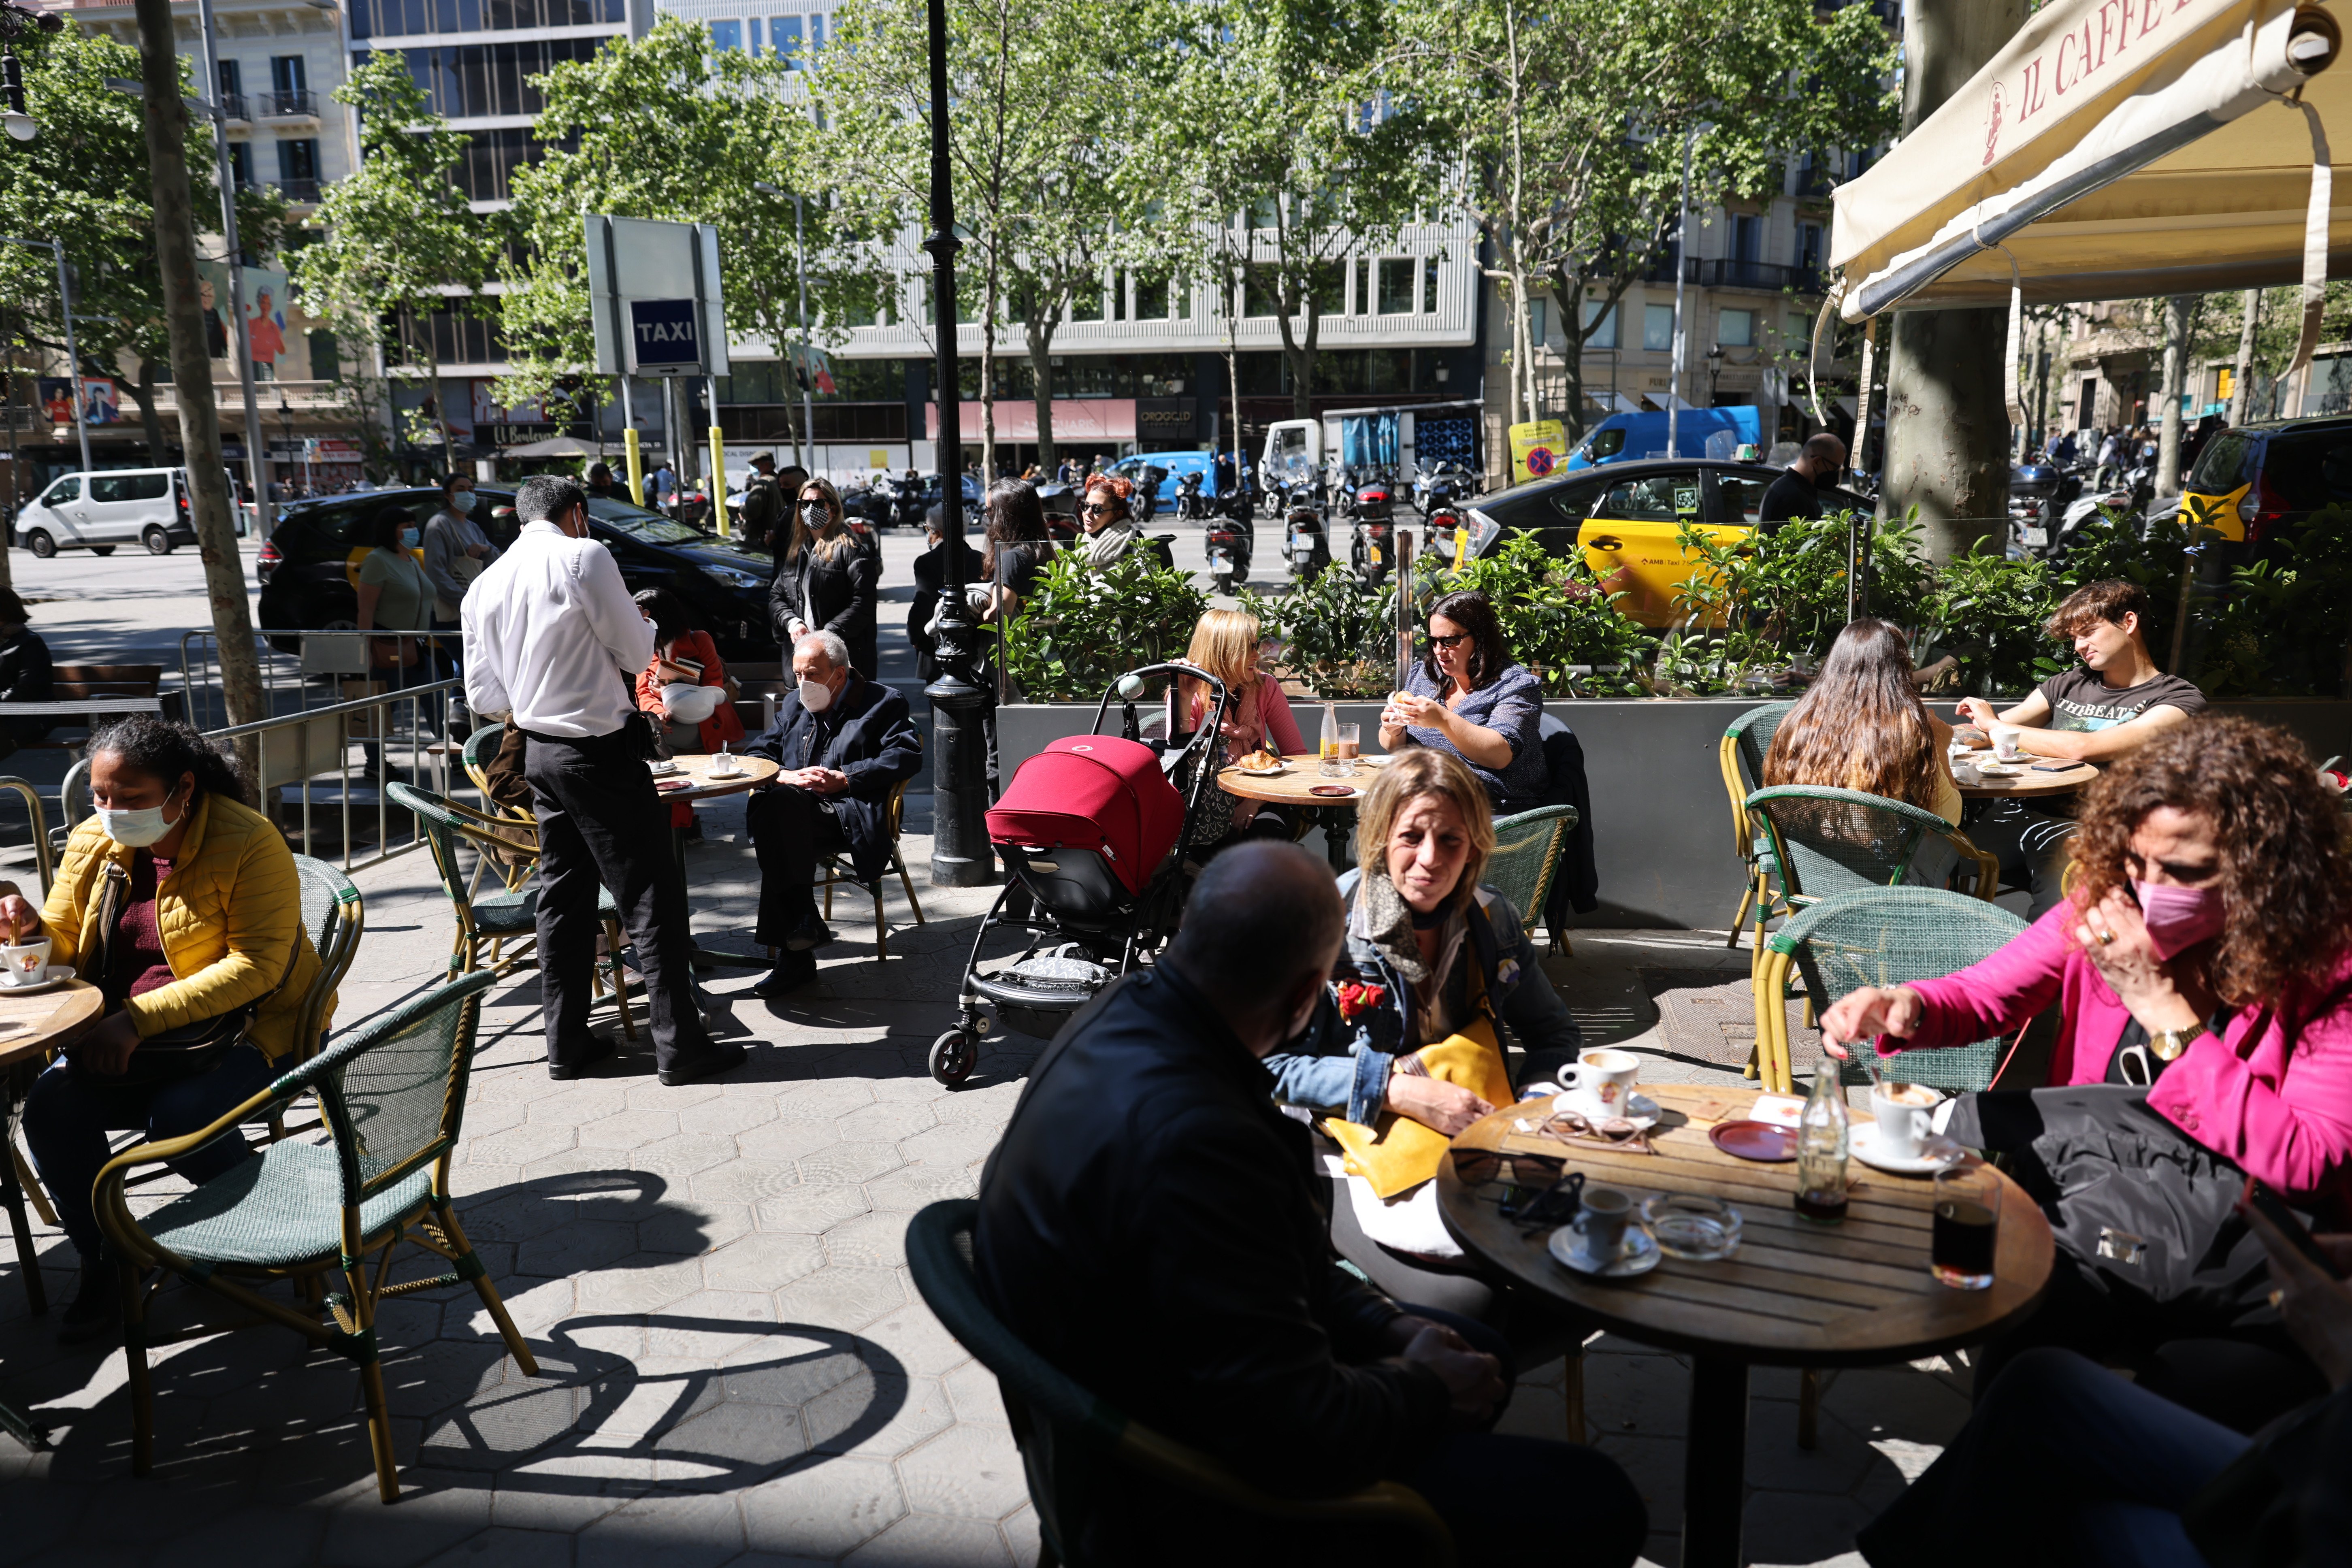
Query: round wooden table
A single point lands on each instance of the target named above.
(32, 1028)
(695, 767)
(1794, 1294)
(1294, 787)
(2027, 783)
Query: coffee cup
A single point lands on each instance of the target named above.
(1601, 1222)
(1905, 1113)
(25, 964)
(1604, 1080)
(725, 765)
(2005, 746)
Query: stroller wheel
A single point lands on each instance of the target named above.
(953, 1056)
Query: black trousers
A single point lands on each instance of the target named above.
(790, 828)
(2032, 846)
(600, 820)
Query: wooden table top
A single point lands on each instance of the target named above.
(1795, 1293)
(48, 1020)
(696, 766)
(1293, 785)
(2029, 783)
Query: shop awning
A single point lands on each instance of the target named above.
(2116, 148)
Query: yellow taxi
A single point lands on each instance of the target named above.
(2253, 484)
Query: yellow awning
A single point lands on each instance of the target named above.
(2116, 148)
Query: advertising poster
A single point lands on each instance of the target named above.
(278, 332)
(102, 400)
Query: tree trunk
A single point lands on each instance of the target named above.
(1041, 325)
(2241, 377)
(1947, 421)
(2179, 319)
(143, 393)
(192, 377)
(1300, 356)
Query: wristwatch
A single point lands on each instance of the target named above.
(2167, 1044)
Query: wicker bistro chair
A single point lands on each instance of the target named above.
(509, 914)
(1067, 1437)
(836, 873)
(1527, 848)
(1741, 755)
(392, 1093)
(1813, 842)
(1883, 936)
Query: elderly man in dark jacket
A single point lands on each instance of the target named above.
(843, 742)
(1152, 1224)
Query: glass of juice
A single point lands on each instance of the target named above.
(1968, 1226)
(1342, 750)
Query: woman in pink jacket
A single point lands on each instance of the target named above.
(2204, 952)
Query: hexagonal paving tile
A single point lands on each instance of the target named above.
(967, 1472)
(811, 1210)
(869, 1241)
(839, 1298)
(786, 1139)
(882, 1123)
(917, 1186)
(764, 1260)
(744, 1181)
(628, 1129)
(821, 1507)
(683, 1154)
(881, 1416)
(847, 1164)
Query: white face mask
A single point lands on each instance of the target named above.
(816, 695)
(136, 829)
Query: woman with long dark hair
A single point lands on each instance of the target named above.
(181, 903)
(1861, 726)
(826, 581)
(1467, 697)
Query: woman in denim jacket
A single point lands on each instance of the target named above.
(1418, 925)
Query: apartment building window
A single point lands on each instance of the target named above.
(1600, 331)
(1086, 304)
(1808, 246)
(1429, 284)
(1658, 327)
(1746, 237)
(492, 157)
(1400, 287)
(475, 79)
(298, 169)
(726, 38)
(456, 338)
(1735, 328)
(784, 39)
(240, 164)
(232, 88)
(406, 18)
(1154, 298)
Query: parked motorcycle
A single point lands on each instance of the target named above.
(1304, 543)
(1230, 539)
(1372, 552)
(906, 498)
(1191, 506)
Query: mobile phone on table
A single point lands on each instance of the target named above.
(2055, 767)
(2273, 1209)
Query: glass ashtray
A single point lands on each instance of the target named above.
(1690, 1226)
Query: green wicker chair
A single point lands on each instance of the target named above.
(1741, 754)
(1067, 1437)
(509, 914)
(1527, 848)
(392, 1093)
(1886, 936)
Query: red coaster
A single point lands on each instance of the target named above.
(1759, 1140)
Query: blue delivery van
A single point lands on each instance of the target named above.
(1698, 432)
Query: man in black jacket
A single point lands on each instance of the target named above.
(1151, 1223)
(843, 742)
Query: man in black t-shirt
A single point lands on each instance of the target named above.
(2115, 703)
(1797, 492)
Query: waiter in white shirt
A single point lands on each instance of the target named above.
(553, 636)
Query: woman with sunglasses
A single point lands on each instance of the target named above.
(1467, 697)
(826, 581)
(1107, 515)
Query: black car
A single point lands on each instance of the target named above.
(2257, 484)
(309, 565)
(1628, 518)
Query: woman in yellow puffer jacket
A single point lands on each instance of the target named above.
(206, 924)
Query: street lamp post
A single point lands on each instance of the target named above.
(1682, 249)
(961, 857)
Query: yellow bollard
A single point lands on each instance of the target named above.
(636, 469)
(718, 480)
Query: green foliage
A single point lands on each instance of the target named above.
(1559, 622)
(1082, 628)
(1987, 612)
(1337, 638)
(2281, 624)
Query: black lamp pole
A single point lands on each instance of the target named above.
(961, 857)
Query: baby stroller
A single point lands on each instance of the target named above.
(1093, 831)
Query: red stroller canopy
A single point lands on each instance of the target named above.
(1093, 791)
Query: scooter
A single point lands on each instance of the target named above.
(1230, 537)
(1304, 543)
(1191, 505)
(1372, 552)
(907, 497)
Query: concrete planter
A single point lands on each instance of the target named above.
(1665, 847)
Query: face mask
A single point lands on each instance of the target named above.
(408, 537)
(135, 829)
(815, 513)
(2179, 918)
(816, 695)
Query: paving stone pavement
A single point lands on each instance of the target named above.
(735, 1367)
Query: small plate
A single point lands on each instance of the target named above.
(672, 786)
(1992, 770)
(1276, 770)
(1640, 1109)
(52, 976)
(1758, 1141)
(1332, 791)
(662, 767)
(1935, 1154)
(1640, 1254)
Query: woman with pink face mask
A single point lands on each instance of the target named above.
(2203, 954)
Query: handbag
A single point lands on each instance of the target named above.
(1398, 1152)
(174, 1054)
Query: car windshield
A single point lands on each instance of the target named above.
(2227, 462)
(636, 522)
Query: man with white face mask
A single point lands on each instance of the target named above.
(843, 742)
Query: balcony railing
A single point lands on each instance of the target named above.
(1720, 273)
(232, 107)
(299, 190)
(298, 102)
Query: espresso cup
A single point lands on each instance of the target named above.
(1601, 1220)
(725, 765)
(1905, 1113)
(25, 964)
(2005, 742)
(1603, 1078)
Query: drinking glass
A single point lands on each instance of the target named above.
(1340, 753)
(1968, 1227)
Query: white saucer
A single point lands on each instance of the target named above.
(52, 977)
(1640, 1109)
(1935, 1154)
(1640, 1254)
(1274, 772)
(662, 767)
(1996, 769)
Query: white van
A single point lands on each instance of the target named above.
(100, 510)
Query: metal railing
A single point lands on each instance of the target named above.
(232, 106)
(326, 656)
(299, 190)
(288, 104)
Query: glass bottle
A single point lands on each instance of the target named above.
(1329, 742)
(1823, 1140)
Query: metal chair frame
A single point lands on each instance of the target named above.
(837, 874)
(1742, 762)
(346, 1320)
(1775, 863)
